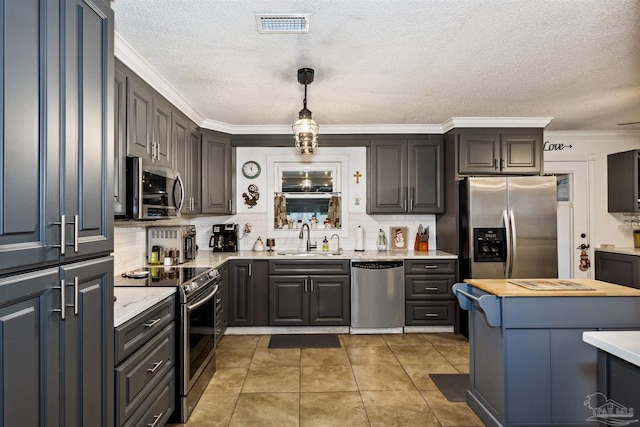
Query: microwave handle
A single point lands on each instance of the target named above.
(181, 203)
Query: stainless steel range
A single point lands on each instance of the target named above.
(198, 290)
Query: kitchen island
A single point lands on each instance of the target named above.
(528, 362)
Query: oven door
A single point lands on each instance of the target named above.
(199, 334)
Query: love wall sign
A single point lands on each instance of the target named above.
(555, 147)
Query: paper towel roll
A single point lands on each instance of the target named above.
(359, 246)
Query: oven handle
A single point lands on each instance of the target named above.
(199, 303)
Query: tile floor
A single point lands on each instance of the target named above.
(372, 380)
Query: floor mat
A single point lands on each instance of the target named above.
(453, 386)
(305, 341)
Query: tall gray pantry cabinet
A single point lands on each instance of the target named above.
(56, 215)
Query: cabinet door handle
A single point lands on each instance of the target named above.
(155, 420)
(152, 323)
(311, 280)
(76, 286)
(501, 163)
(430, 289)
(405, 205)
(76, 232)
(230, 205)
(431, 315)
(305, 286)
(430, 267)
(155, 367)
(250, 269)
(63, 298)
(495, 164)
(63, 237)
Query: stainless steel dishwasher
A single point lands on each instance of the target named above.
(377, 296)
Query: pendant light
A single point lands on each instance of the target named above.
(305, 129)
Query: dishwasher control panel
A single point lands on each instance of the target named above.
(377, 265)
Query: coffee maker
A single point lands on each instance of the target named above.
(224, 238)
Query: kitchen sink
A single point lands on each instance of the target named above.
(308, 254)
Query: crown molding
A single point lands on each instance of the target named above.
(495, 122)
(604, 135)
(132, 59)
(324, 129)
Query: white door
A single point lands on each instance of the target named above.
(573, 216)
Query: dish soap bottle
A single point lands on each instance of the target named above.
(325, 245)
(382, 241)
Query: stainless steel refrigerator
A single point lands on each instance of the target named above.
(508, 227)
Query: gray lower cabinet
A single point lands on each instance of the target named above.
(145, 384)
(499, 151)
(57, 364)
(406, 175)
(618, 380)
(222, 311)
(218, 173)
(247, 290)
(429, 300)
(621, 269)
(298, 299)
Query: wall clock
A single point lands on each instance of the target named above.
(251, 169)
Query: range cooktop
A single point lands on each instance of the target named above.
(160, 276)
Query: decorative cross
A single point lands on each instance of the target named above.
(357, 175)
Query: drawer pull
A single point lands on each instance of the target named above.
(152, 323)
(155, 366)
(155, 420)
(430, 267)
(430, 289)
(431, 315)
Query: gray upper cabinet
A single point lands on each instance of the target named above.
(406, 175)
(186, 140)
(148, 123)
(120, 141)
(499, 151)
(139, 118)
(56, 137)
(218, 158)
(87, 133)
(623, 181)
(30, 137)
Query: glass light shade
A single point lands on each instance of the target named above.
(305, 131)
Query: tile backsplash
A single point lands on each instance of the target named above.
(130, 237)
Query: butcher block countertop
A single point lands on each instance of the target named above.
(502, 288)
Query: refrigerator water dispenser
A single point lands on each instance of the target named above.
(490, 245)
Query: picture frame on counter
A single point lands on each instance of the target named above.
(398, 238)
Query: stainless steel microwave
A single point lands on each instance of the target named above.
(153, 191)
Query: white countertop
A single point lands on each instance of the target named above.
(625, 251)
(214, 259)
(622, 344)
(132, 301)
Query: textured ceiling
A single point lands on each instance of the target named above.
(397, 62)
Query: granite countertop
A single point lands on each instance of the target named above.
(625, 251)
(622, 344)
(502, 288)
(132, 301)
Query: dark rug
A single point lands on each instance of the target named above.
(453, 386)
(305, 341)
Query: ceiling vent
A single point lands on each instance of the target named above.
(282, 23)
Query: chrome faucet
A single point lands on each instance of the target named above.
(309, 245)
(339, 250)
